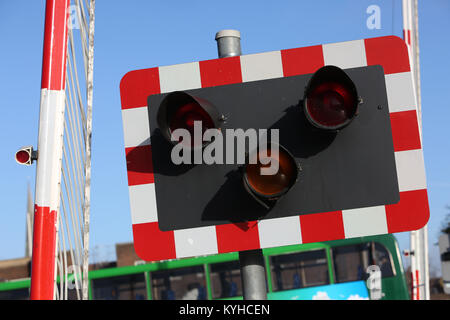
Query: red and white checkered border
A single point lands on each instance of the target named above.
(411, 213)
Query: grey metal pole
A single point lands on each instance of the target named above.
(253, 273)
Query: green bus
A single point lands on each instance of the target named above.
(324, 270)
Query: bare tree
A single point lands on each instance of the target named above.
(445, 228)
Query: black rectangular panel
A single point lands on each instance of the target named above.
(353, 168)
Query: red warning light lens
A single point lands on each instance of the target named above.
(331, 100)
(331, 104)
(22, 157)
(180, 110)
(185, 116)
(270, 186)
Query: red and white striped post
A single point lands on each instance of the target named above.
(419, 238)
(407, 24)
(50, 144)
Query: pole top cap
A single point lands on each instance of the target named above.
(228, 33)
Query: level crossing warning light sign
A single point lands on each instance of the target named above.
(348, 150)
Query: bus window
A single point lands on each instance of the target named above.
(351, 262)
(226, 280)
(130, 287)
(382, 258)
(299, 270)
(179, 284)
(17, 294)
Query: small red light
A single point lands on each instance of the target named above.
(23, 157)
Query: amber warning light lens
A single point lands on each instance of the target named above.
(270, 186)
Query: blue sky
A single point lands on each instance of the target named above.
(140, 34)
